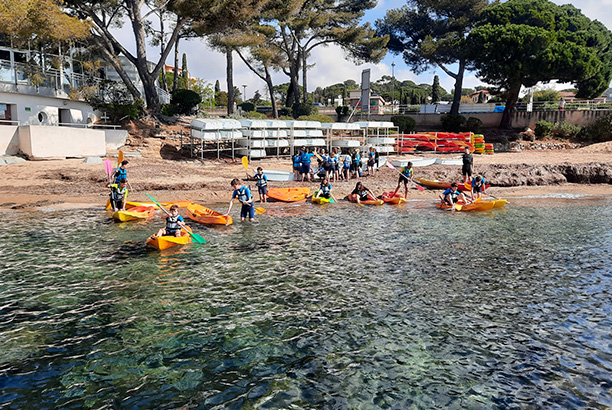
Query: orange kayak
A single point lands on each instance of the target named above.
(396, 200)
(137, 212)
(165, 242)
(205, 215)
(351, 198)
(476, 206)
(288, 194)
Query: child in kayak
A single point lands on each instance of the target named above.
(174, 223)
(406, 175)
(325, 190)
(452, 195)
(118, 195)
(120, 173)
(243, 194)
(262, 185)
(361, 193)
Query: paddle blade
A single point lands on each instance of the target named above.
(458, 207)
(197, 238)
(420, 188)
(259, 210)
(389, 164)
(119, 158)
(108, 167)
(468, 186)
(245, 163)
(157, 203)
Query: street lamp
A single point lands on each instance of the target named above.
(244, 86)
(392, 88)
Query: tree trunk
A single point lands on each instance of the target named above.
(513, 95)
(176, 56)
(304, 68)
(230, 80)
(271, 92)
(164, 84)
(458, 86)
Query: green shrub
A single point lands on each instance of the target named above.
(565, 130)
(286, 118)
(169, 110)
(247, 106)
(452, 123)
(185, 100)
(301, 109)
(254, 115)
(473, 124)
(286, 112)
(316, 117)
(599, 131)
(543, 129)
(404, 123)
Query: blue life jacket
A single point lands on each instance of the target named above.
(297, 160)
(242, 194)
(120, 173)
(325, 189)
(262, 180)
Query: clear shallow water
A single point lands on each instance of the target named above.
(339, 307)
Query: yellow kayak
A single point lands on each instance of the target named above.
(165, 242)
(137, 212)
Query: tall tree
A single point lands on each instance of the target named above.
(184, 71)
(523, 42)
(303, 25)
(431, 33)
(436, 91)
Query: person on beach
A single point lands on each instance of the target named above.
(325, 190)
(356, 163)
(406, 175)
(244, 196)
(361, 193)
(337, 163)
(478, 187)
(120, 173)
(562, 104)
(371, 161)
(262, 185)
(376, 158)
(468, 165)
(174, 224)
(118, 195)
(305, 160)
(346, 168)
(297, 165)
(452, 195)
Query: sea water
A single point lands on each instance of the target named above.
(333, 307)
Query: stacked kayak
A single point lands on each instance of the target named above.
(288, 194)
(207, 216)
(134, 213)
(165, 242)
(389, 198)
(321, 200)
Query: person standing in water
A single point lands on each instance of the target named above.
(244, 196)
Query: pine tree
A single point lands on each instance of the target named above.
(435, 90)
(185, 72)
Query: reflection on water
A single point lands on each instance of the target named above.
(311, 307)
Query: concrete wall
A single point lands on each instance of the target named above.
(489, 119)
(115, 139)
(524, 119)
(9, 140)
(49, 142)
(27, 107)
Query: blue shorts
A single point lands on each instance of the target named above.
(263, 190)
(172, 232)
(305, 168)
(247, 211)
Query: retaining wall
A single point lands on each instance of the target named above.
(9, 139)
(49, 142)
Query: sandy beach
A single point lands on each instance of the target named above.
(70, 183)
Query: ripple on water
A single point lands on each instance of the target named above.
(362, 307)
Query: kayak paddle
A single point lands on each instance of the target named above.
(119, 159)
(259, 210)
(108, 166)
(195, 236)
(245, 164)
(390, 165)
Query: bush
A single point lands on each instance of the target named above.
(599, 131)
(115, 102)
(247, 106)
(185, 100)
(316, 117)
(404, 123)
(565, 130)
(473, 124)
(286, 112)
(254, 115)
(543, 129)
(301, 109)
(452, 123)
(169, 110)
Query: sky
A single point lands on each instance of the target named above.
(330, 65)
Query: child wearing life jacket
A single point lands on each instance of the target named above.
(325, 190)
(371, 161)
(297, 165)
(262, 185)
(346, 167)
(478, 187)
(243, 195)
(174, 223)
(406, 175)
(120, 173)
(361, 193)
(452, 196)
(118, 195)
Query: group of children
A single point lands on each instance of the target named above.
(333, 165)
(476, 184)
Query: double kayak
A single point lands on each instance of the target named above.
(288, 194)
(322, 200)
(207, 216)
(436, 184)
(475, 206)
(134, 213)
(165, 242)
(389, 198)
